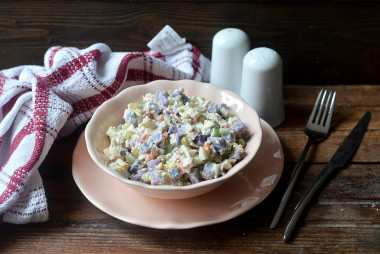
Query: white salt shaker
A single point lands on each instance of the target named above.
(261, 84)
(229, 47)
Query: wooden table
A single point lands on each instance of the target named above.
(344, 218)
(331, 45)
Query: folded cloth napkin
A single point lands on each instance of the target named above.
(40, 103)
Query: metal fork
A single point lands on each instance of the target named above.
(316, 130)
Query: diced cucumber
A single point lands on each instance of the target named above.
(185, 141)
(149, 124)
(215, 131)
(224, 131)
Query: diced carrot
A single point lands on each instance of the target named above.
(180, 166)
(161, 118)
(150, 156)
(143, 138)
(207, 146)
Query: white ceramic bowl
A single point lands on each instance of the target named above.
(111, 112)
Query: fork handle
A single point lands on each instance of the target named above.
(292, 181)
(306, 197)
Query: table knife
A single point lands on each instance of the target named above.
(341, 157)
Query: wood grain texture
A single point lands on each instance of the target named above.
(324, 44)
(344, 218)
(335, 42)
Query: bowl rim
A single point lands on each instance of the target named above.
(89, 133)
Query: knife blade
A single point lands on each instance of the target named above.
(341, 157)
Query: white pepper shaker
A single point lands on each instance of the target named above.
(261, 85)
(229, 47)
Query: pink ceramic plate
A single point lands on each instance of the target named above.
(239, 194)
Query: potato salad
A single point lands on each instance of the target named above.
(173, 139)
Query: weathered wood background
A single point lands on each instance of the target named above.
(332, 44)
(321, 42)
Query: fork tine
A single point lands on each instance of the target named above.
(329, 116)
(316, 104)
(318, 119)
(326, 109)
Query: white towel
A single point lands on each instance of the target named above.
(40, 103)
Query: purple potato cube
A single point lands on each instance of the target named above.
(209, 171)
(162, 97)
(154, 178)
(153, 163)
(133, 168)
(174, 173)
(220, 144)
(238, 127)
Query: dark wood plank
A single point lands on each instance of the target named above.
(344, 118)
(203, 240)
(349, 96)
(294, 142)
(334, 42)
(329, 44)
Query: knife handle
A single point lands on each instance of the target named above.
(305, 199)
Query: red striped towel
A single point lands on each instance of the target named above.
(40, 103)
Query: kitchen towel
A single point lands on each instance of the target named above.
(41, 103)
